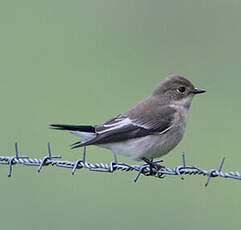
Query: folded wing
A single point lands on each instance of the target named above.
(128, 125)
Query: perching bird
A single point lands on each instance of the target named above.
(148, 130)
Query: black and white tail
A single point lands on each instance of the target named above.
(85, 131)
(80, 128)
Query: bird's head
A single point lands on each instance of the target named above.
(176, 89)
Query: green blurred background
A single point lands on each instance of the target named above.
(85, 61)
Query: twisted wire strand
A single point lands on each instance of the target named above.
(142, 169)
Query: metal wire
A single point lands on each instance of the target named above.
(142, 169)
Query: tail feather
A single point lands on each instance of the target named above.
(87, 132)
(81, 128)
(79, 144)
(76, 145)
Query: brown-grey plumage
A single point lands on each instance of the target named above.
(149, 129)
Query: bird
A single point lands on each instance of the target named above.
(148, 130)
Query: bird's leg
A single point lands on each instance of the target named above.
(84, 154)
(151, 171)
(153, 165)
(115, 158)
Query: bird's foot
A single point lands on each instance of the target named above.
(154, 166)
(151, 168)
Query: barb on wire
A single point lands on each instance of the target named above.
(141, 169)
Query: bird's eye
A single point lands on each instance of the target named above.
(181, 89)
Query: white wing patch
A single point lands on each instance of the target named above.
(165, 130)
(124, 122)
(119, 123)
(142, 125)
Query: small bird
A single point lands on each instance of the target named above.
(148, 130)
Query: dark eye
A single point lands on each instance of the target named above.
(181, 89)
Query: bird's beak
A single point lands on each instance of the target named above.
(197, 91)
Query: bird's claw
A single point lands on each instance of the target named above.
(153, 165)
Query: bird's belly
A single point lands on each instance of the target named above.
(151, 146)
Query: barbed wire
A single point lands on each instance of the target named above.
(141, 169)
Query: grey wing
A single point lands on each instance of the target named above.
(123, 127)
